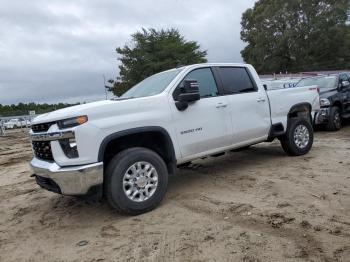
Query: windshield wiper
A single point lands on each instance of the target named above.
(122, 98)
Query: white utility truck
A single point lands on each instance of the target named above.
(127, 147)
(16, 123)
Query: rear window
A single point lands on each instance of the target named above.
(236, 80)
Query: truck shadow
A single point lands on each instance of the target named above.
(229, 165)
(232, 166)
(209, 169)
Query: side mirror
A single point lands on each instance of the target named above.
(189, 93)
(345, 84)
(188, 97)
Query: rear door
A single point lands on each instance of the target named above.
(248, 105)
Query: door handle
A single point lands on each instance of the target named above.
(221, 105)
(260, 100)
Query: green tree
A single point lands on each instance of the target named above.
(296, 35)
(154, 51)
(23, 109)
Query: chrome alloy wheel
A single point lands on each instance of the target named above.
(301, 136)
(140, 181)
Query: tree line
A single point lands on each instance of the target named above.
(297, 35)
(152, 51)
(23, 109)
(280, 36)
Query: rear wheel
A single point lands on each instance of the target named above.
(335, 121)
(299, 137)
(136, 181)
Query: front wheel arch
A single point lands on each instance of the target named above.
(114, 180)
(152, 137)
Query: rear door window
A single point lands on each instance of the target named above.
(236, 80)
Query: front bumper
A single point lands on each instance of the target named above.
(322, 116)
(73, 180)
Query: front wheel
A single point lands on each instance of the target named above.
(299, 137)
(136, 180)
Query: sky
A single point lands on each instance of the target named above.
(58, 51)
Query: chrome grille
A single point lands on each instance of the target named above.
(42, 127)
(42, 150)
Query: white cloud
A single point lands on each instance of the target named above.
(55, 51)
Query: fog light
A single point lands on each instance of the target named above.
(72, 142)
(69, 147)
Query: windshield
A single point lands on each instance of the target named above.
(326, 82)
(152, 85)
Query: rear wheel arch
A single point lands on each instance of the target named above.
(337, 104)
(154, 138)
(299, 115)
(299, 131)
(300, 110)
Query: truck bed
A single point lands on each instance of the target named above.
(282, 100)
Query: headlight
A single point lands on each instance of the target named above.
(71, 122)
(324, 102)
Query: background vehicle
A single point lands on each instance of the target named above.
(334, 99)
(16, 123)
(127, 147)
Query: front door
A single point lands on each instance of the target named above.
(345, 93)
(205, 125)
(249, 106)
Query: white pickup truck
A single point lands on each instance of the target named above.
(16, 123)
(127, 147)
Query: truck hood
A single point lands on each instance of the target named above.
(103, 109)
(72, 111)
(328, 92)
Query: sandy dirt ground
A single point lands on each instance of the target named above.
(254, 205)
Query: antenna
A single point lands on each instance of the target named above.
(104, 84)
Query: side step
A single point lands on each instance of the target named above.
(219, 154)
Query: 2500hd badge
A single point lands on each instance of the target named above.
(191, 131)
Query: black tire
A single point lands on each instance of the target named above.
(288, 142)
(335, 121)
(113, 185)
